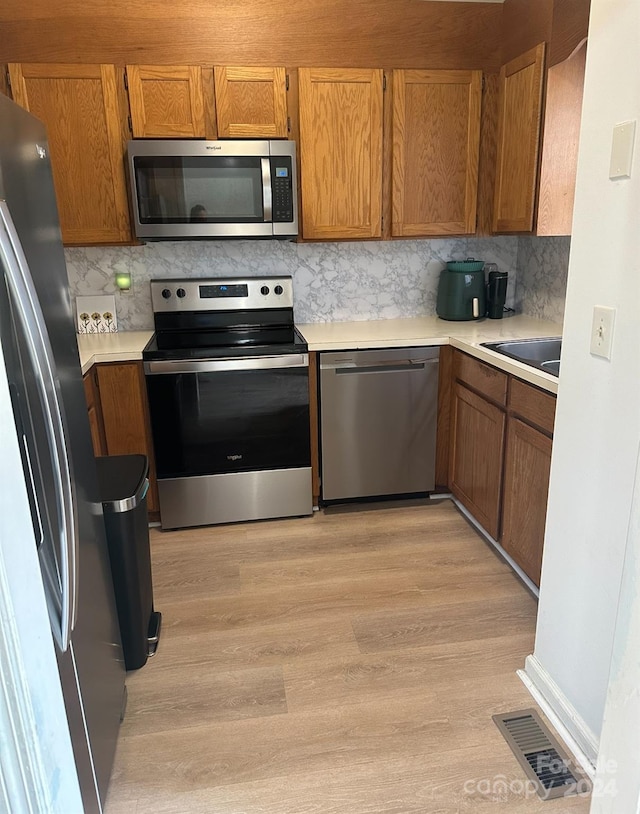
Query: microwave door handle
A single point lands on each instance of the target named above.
(267, 194)
(31, 319)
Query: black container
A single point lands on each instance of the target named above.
(123, 486)
(496, 294)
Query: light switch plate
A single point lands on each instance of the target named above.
(624, 135)
(602, 331)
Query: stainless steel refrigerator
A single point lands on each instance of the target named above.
(45, 381)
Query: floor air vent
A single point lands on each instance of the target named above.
(544, 761)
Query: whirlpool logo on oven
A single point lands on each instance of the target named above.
(234, 457)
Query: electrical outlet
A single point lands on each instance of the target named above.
(602, 331)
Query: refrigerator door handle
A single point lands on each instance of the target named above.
(31, 488)
(31, 320)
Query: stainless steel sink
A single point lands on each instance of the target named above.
(552, 366)
(543, 354)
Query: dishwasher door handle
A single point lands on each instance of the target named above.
(390, 367)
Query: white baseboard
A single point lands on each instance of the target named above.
(571, 728)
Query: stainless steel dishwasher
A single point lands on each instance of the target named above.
(378, 411)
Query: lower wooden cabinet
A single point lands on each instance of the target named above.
(526, 485)
(500, 438)
(119, 415)
(94, 409)
(477, 441)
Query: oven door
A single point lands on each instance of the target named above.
(213, 417)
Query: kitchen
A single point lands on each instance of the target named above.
(615, 485)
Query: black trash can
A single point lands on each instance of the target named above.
(123, 482)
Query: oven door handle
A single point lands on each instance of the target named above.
(173, 366)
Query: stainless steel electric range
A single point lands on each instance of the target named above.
(228, 381)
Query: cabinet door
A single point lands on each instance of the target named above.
(251, 102)
(526, 485)
(82, 107)
(436, 142)
(125, 411)
(166, 101)
(477, 443)
(95, 413)
(518, 141)
(341, 152)
(561, 137)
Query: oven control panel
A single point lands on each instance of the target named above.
(222, 294)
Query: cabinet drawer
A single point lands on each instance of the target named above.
(533, 405)
(487, 380)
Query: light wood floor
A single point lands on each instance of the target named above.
(345, 663)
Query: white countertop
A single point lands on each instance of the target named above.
(421, 331)
(382, 333)
(124, 346)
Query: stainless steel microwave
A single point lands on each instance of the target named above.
(184, 190)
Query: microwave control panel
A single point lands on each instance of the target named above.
(282, 186)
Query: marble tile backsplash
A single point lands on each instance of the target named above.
(332, 281)
(542, 265)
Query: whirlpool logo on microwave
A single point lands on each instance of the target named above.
(234, 457)
(213, 146)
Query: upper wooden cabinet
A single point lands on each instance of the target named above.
(341, 152)
(166, 101)
(436, 138)
(520, 113)
(251, 102)
(560, 141)
(83, 109)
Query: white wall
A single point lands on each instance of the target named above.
(618, 778)
(598, 416)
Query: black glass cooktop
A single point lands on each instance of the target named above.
(216, 344)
